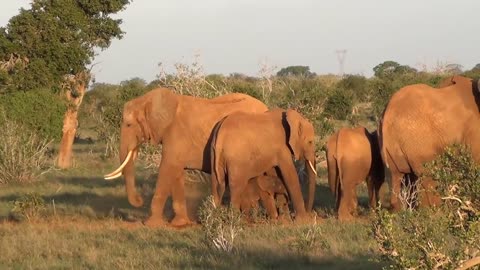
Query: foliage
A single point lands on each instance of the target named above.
(391, 68)
(30, 206)
(56, 38)
(189, 79)
(356, 84)
(23, 154)
(222, 225)
(339, 104)
(440, 238)
(40, 111)
(303, 71)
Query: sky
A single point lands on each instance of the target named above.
(237, 36)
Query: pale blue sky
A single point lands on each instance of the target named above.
(234, 36)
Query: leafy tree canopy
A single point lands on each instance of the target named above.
(389, 68)
(295, 71)
(55, 38)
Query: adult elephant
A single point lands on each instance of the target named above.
(182, 124)
(353, 156)
(420, 121)
(246, 145)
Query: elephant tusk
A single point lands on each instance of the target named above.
(311, 167)
(119, 170)
(113, 176)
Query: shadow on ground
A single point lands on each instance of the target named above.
(257, 258)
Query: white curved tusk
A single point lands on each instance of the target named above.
(311, 167)
(129, 155)
(113, 176)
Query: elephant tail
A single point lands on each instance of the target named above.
(218, 176)
(381, 145)
(339, 172)
(332, 166)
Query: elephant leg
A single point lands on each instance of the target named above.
(428, 195)
(282, 203)
(238, 185)
(348, 202)
(268, 202)
(372, 195)
(168, 175)
(396, 185)
(179, 202)
(292, 183)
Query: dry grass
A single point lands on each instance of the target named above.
(23, 155)
(88, 223)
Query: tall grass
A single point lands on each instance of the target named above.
(23, 154)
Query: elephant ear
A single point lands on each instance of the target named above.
(161, 111)
(143, 114)
(295, 122)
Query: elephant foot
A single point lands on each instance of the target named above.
(179, 222)
(155, 222)
(284, 219)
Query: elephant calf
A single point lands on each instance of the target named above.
(353, 155)
(266, 188)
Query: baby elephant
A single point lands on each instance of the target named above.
(353, 155)
(266, 188)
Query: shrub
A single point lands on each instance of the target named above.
(30, 206)
(308, 238)
(339, 104)
(438, 238)
(41, 111)
(23, 154)
(357, 84)
(222, 225)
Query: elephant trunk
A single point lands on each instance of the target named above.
(312, 173)
(129, 173)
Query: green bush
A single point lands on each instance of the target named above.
(339, 104)
(245, 87)
(40, 110)
(356, 84)
(437, 238)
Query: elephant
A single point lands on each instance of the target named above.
(246, 145)
(182, 124)
(418, 122)
(265, 188)
(353, 155)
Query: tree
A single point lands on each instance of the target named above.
(389, 68)
(295, 71)
(453, 69)
(50, 45)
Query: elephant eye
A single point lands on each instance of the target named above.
(129, 125)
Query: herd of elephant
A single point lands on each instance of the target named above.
(251, 149)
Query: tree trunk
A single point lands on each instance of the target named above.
(75, 87)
